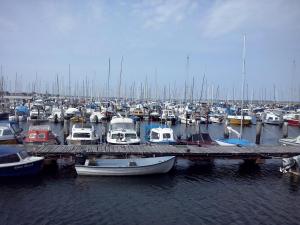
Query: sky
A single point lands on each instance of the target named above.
(39, 39)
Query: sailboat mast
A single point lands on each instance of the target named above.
(120, 81)
(69, 80)
(108, 78)
(243, 84)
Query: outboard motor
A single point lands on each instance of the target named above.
(290, 164)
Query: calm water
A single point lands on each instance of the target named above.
(223, 192)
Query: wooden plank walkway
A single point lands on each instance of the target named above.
(210, 152)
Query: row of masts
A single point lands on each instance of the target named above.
(199, 90)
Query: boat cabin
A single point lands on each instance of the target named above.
(83, 134)
(41, 134)
(162, 135)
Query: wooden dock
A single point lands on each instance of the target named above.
(189, 152)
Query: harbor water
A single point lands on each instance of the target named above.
(222, 192)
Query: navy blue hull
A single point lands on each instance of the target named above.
(27, 169)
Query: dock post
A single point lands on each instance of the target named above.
(258, 132)
(186, 119)
(66, 129)
(226, 131)
(285, 130)
(138, 128)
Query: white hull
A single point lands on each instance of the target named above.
(222, 143)
(291, 142)
(121, 167)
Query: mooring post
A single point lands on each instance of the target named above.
(258, 132)
(66, 129)
(285, 130)
(138, 128)
(186, 119)
(226, 131)
(149, 116)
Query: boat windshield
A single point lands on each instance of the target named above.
(81, 135)
(122, 126)
(167, 135)
(130, 136)
(23, 154)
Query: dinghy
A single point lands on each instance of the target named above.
(126, 167)
(290, 141)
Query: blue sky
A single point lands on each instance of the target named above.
(44, 37)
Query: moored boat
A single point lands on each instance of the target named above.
(126, 167)
(16, 162)
(41, 135)
(290, 141)
(83, 134)
(122, 132)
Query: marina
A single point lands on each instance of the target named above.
(149, 112)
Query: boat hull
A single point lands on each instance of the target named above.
(159, 167)
(234, 121)
(295, 123)
(9, 142)
(24, 169)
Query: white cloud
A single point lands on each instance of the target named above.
(155, 13)
(230, 15)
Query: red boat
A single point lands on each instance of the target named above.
(41, 135)
(293, 119)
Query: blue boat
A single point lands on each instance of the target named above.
(16, 162)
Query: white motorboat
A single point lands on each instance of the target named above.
(97, 117)
(122, 132)
(290, 141)
(126, 167)
(71, 112)
(37, 113)
(56, 115)
(168, 115)
(187, 118)
(162, 135)
(83, 134)
(272, 118)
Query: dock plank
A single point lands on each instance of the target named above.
(180, 151)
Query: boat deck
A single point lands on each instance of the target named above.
(189, 152)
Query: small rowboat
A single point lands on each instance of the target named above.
(126, 167)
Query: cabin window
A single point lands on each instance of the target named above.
(154, 135)
(131, 136)
(81, 135)
(166, 135)
(23, 154)
(9, 159)
(117, 136)
(41, 136)
(7, 132)
(33, 135)
(124, 126)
